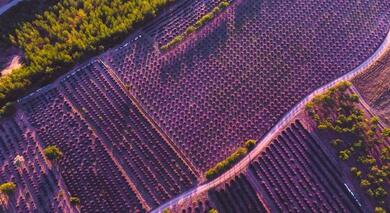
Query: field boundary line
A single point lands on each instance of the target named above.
(150, 119)
(285, 120)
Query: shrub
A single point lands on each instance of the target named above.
(356, 171)
(343, 86)
(323, 126)
(386, 132)
(336, 142)
(250, 144)
(327, 100)
(365, 183)
(216, 10)
(370, 133)
(380, 192)
(379, 210)
(353, 98)
(385, 153)
(52, 153)
(358, 144)
(190, 30)
(379, 172)
(344, 154)
(309, 106)
(367, 160)
(7, 109)
(199, 23)
(374, 120)
(223, 4)
(74, 200)
(226, 164)
(8, 188)
(213, 211)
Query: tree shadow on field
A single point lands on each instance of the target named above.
(46, 193)
(245, 11)
(202, 47)
(143, 47)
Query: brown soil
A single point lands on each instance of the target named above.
(374, 87)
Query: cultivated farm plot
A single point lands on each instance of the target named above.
(39, 186)
(230, 81)
(105, 138)
(294, 173)
(233, 79)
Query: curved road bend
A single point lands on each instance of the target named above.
(243, 164)
(8, 6)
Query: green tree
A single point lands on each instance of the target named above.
(75, 201)
(8, 188)
(386, 132)
(379, 210)
(213, 211)
(53, 153)
(380, 192)
(365, 183)
(344, 154)
(250, 144)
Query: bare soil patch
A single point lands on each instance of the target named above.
(10, 59)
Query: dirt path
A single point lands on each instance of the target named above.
(14, 64)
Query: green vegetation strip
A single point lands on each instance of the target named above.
(8, 188)
(198, 24)
(66, 33)
(224, 165)
(357, 139)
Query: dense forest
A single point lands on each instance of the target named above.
(67, 32)
(22, 12)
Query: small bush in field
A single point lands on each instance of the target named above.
(8, 188)
(74, 200)
(53, 153)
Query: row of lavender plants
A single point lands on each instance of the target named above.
(295, 174)
(239, 74)
(27, 183)
(108, 145)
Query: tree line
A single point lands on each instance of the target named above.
(67, 32)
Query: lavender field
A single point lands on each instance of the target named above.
(234, 78)
(138, 126)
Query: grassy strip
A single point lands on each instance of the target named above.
(224, 165)
(66, 33)
(198, 24)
